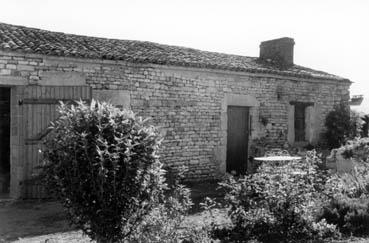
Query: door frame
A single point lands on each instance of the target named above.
(247, 134)
(13, 82)
(220, 151)
(10, 130)
(15, 145)
(17, 136)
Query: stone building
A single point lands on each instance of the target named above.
(210, 106)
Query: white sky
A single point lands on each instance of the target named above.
(330, 35)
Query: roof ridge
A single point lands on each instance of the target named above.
(116, 39)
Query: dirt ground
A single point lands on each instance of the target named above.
(44, 221)
(24, 218)
(33, 221)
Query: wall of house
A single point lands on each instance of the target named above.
(188, 103)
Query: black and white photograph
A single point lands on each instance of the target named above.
(184, 121)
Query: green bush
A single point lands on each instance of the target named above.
(357, 149)
(353, 184)
(102, 163)
(165, 222)
(338, 125)
(356, 124)
(365, 126)
(350, 215)
(277, 204)
(349, 204)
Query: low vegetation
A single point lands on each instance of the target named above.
(277, 204)
(102, 163)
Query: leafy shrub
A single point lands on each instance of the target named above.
(357, 149)
(356, 124)
(278, 203)
(102, 163)
(351, 215)
(353, 184)
(338, 125)
(365, 126)
(163, 223)
(349, 204)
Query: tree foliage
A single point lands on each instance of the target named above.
(338, 125)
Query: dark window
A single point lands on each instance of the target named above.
(300, 122)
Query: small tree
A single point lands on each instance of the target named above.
(338, 125)
(356, 124)
(365, 126)
(102, 163)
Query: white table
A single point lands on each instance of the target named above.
(280, 160)
(277, 158)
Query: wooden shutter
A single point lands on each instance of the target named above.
(39, 105)
(310, 126)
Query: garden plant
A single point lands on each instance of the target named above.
(278, 204)
(349, 204)
(102, 163)
(342, 124)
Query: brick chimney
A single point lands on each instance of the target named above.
(278, 52)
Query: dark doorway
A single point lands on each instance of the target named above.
(300, 122)
(237, 139)
(4, 140)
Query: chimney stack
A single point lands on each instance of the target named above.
(278, 52)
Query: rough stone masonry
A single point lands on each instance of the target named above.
(188, 102)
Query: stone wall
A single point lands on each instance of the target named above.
(189, 104)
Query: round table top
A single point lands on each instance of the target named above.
(278, 158)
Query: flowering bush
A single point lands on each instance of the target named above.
(278, 203)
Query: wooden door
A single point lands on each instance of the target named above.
(39, 105)
(237, 139)
(300, 122)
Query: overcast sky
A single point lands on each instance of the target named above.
(330, 35)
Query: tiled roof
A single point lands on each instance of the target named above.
(31, 40)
